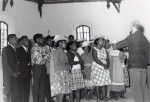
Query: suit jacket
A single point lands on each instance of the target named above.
(138, 48)
(9, 61)
(24, 59)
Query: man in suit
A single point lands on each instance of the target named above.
(11, 71)
(137, 45)
(24, 59)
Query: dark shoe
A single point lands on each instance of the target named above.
(105, 99)
(116, 98)
(123, 97)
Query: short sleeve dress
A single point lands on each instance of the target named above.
(99, 75)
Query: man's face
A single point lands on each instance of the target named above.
(40, 41)
(71, 38)
(13, 40)
(25, 42)
(49, 42)
(101, 42)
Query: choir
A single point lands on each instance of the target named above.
(61, 69)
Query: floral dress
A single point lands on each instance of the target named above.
(60, 80)
(99, 75)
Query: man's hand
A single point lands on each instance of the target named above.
(106, 67)
(15, 75)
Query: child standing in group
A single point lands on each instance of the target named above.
(76, 71)
(87, 59)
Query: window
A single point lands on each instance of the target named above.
(3, 34)
(83, 32)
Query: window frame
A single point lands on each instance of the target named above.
(1, 34)
(83, 31)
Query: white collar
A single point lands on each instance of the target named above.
(12, 47)
(25, 48)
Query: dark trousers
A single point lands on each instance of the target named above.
(39, 81)
(12, 90)
(25, 89)
(48, 90)
(138, 84)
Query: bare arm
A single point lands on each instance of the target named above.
(94, 54)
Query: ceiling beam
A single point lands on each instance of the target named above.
(117, 7)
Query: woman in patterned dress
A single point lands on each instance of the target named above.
(60, 80)
(117, 76)
(76, 64)
(100, 75)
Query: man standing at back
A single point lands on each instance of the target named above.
(24, 59)
(11, 71)
(137, 45)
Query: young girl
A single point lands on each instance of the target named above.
(76, 64)
(100, 75)
(87, 59)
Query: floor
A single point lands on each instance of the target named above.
(128, 94)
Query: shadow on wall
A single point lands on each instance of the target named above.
(0, 63)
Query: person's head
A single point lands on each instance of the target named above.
(107, 44)
(38, 39)
(86, 46)
(24, 41)
(136, 25)
(12, 39)
(72, 46)
(71, 38)
(99, 42)
(61, 44)
(49, 40)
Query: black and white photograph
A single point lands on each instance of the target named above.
(74, 51)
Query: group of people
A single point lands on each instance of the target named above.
(63, 69)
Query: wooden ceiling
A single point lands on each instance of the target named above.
(62, 1)
(70, 1)
(116, 3)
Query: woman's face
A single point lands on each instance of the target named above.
(86, 49)
(74, 47)
(63, 44)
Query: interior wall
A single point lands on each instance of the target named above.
(23, 18)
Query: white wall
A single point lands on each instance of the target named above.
(24, 18)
